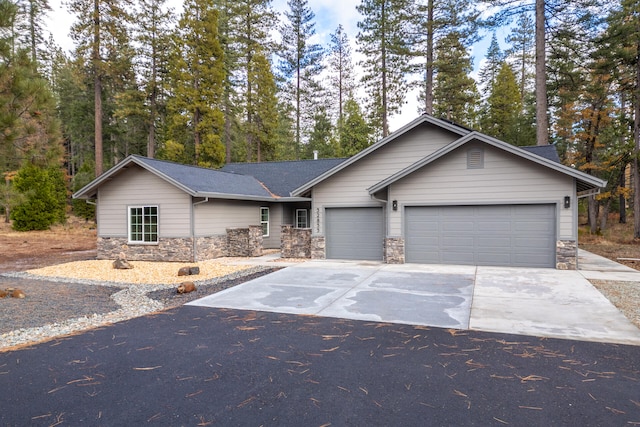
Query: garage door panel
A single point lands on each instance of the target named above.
(354, 233)
(508, 235)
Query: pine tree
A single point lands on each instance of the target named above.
(196, 68)
(504, 107)
(252, 23)
(383, 42)
(355, 132)
(321, 137)
(455, 93)
(520, 53)
(341, 69)
(491, 68)
(430, 21)
(102, 39)
(154, 38)
(300, 64)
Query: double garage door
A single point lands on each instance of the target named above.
(502, 235)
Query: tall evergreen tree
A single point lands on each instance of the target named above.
(504, 107)
(521, 51)
(455, 93)
(31, 26)
(102, 40)
(258, 105)
(355, 133)
(196, 68)
(383, 42)
(341, 68)
(154, 38)
(300, 64)
(494, 62)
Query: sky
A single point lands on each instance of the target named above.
(328, 15)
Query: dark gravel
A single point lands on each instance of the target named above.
(170, 298)
(50, 302)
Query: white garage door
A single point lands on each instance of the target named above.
(503, 235)
(354, 233)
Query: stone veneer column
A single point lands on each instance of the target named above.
(255, 240)
(295, 242)
(318, 247)
(566, 255)
(211, 247)
(394, 250)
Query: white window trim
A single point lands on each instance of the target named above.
(267, 222)
(142, 242)
(306, 217)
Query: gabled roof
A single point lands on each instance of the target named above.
(425, 118)
(584, 182)
(196, 181)
(281, 178)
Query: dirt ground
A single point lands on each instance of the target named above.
(615, 242)
(19, 250)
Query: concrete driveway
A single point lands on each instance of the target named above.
(539, 302)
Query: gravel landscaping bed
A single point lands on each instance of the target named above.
(624, 295)
(57, 306)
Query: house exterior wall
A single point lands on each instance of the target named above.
(138, 187)
(504, 179)
(349, 186)
(217, 215)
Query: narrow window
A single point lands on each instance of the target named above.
(302, 218)
(143, 224)
(475, 158)
(264, 221)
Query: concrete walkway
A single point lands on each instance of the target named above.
(540, 302)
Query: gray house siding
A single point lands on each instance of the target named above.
(504, 179)
(348, 188)
(137, 187)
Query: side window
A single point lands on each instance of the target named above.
(302, 218)
(143, 224)
(264, 221)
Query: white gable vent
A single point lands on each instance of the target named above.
(475, 158)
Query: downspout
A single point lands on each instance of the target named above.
(193, 228)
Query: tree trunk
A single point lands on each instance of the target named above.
(605, 215)
(636, 150)
(622, 199)
(383, 89)
(542, 120)
(428, 89)
(97, 69)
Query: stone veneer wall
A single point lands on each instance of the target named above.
(394, 250)
(176, 249)
(244, 241)
(295, 242)
(211, 247)
(567, 255)
(318, 244)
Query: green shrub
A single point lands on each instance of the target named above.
(45, 193)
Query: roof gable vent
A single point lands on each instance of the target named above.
(475, 158)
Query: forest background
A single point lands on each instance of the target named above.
(232, 80)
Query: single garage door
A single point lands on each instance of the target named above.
(504, 235)
(354, 233)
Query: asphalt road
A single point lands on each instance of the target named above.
(198, 366)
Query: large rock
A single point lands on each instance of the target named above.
(186, 287)
(121, 262)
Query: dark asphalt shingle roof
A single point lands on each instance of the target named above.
(283, 177)
(203, 180)
(549, 152)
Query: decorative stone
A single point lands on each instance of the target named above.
(566, 255)
(17, 293)
(184, 271)
(194, 271)
(3, 294)
(244, 242)
(170, 250)
(318, 247)
(121, 262)
(186, 287)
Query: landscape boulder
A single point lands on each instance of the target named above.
(189, 271)
(121, 262)
(186, 287)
